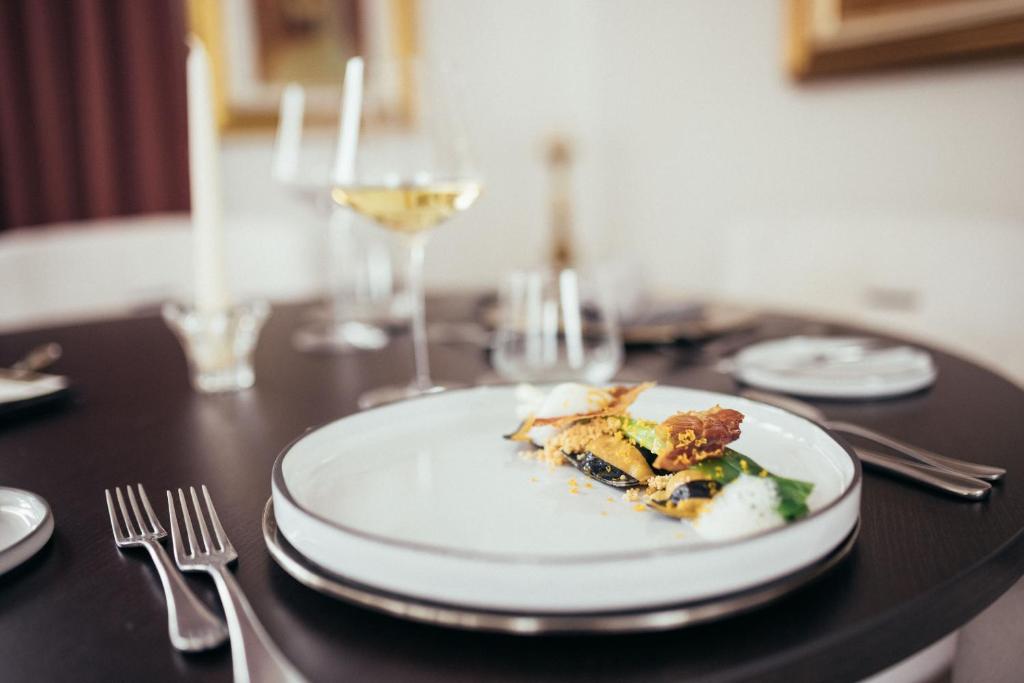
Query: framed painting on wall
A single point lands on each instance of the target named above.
(259, 46)
(826, 37)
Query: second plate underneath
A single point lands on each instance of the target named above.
(659, 618)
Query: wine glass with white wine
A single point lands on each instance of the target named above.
(404, 162)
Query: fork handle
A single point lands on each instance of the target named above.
(963, 467)
(254, 657)
(193, 627)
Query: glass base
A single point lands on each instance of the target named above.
(384, 395)
(328, 336)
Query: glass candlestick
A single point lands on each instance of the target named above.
(218, 344)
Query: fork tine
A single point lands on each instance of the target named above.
(118, 534)
(154, 522)
(124, 513)
(218, 530)
(143, 529)
(192, 544)
(179, 550)
(201, 520)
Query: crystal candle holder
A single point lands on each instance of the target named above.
(218, 344)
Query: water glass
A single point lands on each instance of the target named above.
(556, 326)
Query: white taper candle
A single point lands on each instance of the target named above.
(211, 289)
(348, 127)
(289, 133)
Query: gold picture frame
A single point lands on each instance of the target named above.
(252, 63)
(827, 37)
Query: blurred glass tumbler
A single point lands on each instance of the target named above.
(555, 326)
(218, 344)
(364, 299)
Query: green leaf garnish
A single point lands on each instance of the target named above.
(793, 493)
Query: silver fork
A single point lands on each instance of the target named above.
(254, 657)
(192, 626)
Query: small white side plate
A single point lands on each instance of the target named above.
(834, 367)
(12, 391)
(26, 524)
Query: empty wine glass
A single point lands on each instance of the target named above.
(555, 326)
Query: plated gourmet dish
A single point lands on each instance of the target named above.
(682, 466)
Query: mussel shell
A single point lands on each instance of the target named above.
(685, 501)
(614, 461)
(699, 488)
(596, 468)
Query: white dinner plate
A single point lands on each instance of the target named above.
(834, 367)
(425, 499)
(26, 523)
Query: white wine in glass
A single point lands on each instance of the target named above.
(410, 209)
(409, 170)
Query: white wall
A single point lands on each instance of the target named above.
(692, 126)
(704, 163)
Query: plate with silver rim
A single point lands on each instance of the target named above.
(424, 499)
(26, 524)
(657, 618)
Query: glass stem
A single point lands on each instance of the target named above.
(417, 248)
(339, 242)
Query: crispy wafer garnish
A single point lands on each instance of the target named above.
(521, 434)
(620, 398)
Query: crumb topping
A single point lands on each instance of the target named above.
(576, 438)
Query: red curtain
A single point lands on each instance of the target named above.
(92, 109)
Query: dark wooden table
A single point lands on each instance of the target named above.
(81, 610)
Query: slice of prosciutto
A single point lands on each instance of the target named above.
(695, 435)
